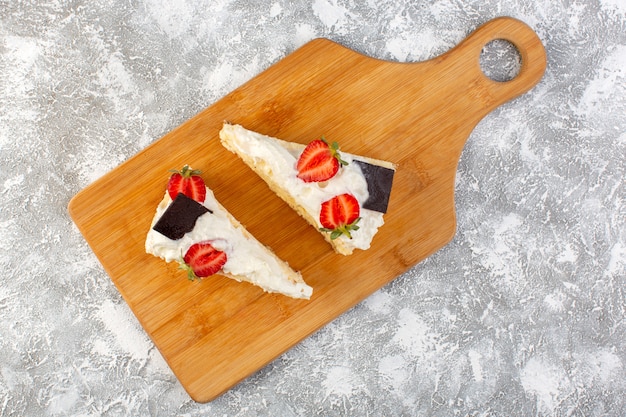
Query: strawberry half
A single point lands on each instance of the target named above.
(203, 260)
(187, 181)
(340, 215)
(319, 161)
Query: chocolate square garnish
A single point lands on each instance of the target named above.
(379, 180)
(180, 217)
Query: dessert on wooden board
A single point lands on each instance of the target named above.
(342, 195)
(191, 227)
(436, 121)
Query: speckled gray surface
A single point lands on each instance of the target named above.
(523, 313)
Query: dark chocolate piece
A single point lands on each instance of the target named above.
(180, 217)
(379, 180)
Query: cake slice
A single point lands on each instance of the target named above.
(342, 195)
(191, 227)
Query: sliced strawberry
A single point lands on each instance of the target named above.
(340, 215)
(319, 161)
(189, 182)
(203, 260)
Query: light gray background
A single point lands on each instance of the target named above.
(521, 314)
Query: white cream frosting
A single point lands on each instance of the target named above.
(247, 258)
(278, 158)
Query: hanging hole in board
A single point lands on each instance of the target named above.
(500, 60)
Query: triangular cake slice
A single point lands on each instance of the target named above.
(191, 227)
(323, 189)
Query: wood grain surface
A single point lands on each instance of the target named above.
(216, 332)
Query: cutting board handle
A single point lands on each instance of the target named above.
(527, 43)
(453, 93)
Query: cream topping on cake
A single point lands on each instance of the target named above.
(246, 256)
(278, 158)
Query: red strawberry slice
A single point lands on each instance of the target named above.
(203, 260)
(187, 181)
(319, 161)
(340, 215)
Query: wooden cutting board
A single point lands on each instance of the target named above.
(216, 332)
